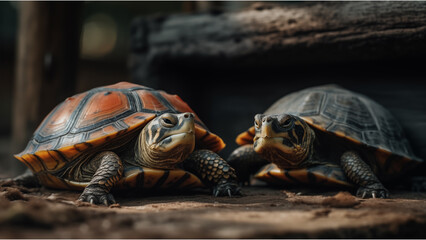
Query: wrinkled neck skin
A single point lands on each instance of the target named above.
(148, 156)
(300, 156)
(309, 154)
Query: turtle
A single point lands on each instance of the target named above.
(128, 137)
(325, 136)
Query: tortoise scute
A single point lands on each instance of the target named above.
(100, 107)
(59, 121)
(150, 101)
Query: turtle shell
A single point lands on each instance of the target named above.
(321, 175)
(104, 118)
(148, 179)
(351, 117)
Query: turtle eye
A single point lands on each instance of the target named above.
(256, 123)
(257, 120)
(168, 121)
(286, 123)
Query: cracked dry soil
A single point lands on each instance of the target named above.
(262, 212)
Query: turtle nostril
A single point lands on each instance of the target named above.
(188, 115)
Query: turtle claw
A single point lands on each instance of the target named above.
(107, 199)
(373, 191)
(96, 196)
(226, 188)
(216, 193)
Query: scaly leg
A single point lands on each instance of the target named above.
(108, 172)
(246, 162)
(361, 174)
(213, 172)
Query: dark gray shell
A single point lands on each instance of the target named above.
(352, 116)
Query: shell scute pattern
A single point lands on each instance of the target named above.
(149, 101)
(57, 121)
(100, 108)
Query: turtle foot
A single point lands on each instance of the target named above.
(226, 188)
(97, 196)
(375, 190)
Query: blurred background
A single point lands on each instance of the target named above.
(228, 60)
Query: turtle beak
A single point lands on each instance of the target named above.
(266, 129)
(188, 119)
(265, 137)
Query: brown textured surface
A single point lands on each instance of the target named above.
(294, 33)
(260, 213)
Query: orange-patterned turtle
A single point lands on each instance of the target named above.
(325, 135)
(126, 136)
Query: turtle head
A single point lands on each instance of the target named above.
(166, 140)
(283, 139)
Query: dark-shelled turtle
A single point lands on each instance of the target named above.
(325, 135)
(126, 136)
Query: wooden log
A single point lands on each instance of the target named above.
(47, 52)
(269, 35)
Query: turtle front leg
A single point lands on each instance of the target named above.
(214, 172)
(109, 170)
(361, 174)
(246, 162)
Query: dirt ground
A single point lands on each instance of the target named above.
(262, 212)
